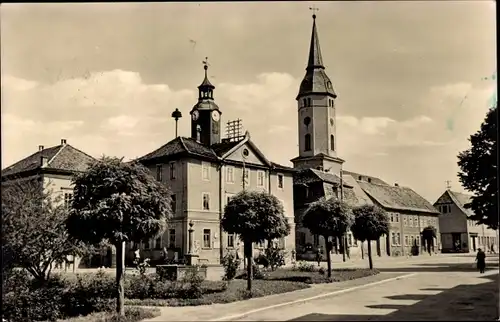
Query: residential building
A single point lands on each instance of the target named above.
(54, 167)
(320, 173)
(203, 172)
(459, 233)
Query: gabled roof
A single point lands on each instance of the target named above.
(62, 157)
(179, 145)
(397, 197)
(460, 200)
(364, 177)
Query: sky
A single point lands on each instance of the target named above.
(106, 76)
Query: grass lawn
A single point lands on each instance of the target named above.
(315, 277)
(132, 314)
(214, 292)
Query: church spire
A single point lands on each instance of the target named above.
(315, 59)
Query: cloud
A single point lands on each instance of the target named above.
(117, 113)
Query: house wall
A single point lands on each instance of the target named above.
(453, 222)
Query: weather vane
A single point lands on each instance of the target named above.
(205, 62)
(314, 9)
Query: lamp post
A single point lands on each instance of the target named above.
(176, 115)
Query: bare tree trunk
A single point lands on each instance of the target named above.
(120, 265)
(248, 253)
(370, 254)
(362, 250)
(328, 256)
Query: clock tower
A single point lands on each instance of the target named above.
(205, 115)
(317, 115)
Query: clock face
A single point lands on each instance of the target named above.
(215, 116)
(195, 115)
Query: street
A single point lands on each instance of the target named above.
(443, 287)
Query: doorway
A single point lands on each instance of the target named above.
(457, 241)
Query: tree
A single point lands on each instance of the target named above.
(329, 218)
(33, 233)
(370, 223)
(478, 171)
(254, 217)
(428, 235)
(118, 202)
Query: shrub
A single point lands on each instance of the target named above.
(262, 260)
(231, 265)
(275, 257)
(303, 266)
(322, 270)
(192, 284)
(141, 286)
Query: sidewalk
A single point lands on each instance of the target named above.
(219, 311)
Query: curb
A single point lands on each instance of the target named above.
(239, 315)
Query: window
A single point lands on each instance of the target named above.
(260, 178)
(230, 240)
(393, 235)
(146, 244)
(406, 240)
(159, 172)
(173, 204)
(158, 243)
(309, 101)
(412, 240)
(404, 221)
(410, 221)
(228, 197)
(397, 217)
(307, 143)
(205, 170)
(68, 197)
(398, 237)
(206, 201)
(280, 181)
(304, 102)
(316, 240)
(332, 142)
(392, 219)
(207, 238)
(230, 174)
(171, 236)
(172, 170)
(415, 221)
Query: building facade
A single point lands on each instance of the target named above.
(320, 174)
(54, 167)
(459, 233)
(203, 172)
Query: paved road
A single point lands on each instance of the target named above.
(446, 290)
(433, 283)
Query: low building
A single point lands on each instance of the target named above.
(54, 167)
(459, 233)
(203, 173)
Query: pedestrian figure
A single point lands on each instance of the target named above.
(137, 255)
(319, 256)
(481, 260)
(493, 248)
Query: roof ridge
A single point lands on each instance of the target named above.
(80, 151)
(57, 153)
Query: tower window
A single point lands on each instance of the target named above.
(332, 142)
(307, 143)
(304, 102)
(307, 121)
(331, 122)
(308, 101)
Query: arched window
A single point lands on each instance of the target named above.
(332, 142)
(308, 101)
(307, 143)
(304, 102)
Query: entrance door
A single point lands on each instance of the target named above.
(473, 242)
(457, 241)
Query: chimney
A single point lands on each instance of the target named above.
(63, 141)
(370, 180)
(396, 185)
(44, 161)
(40, 148)
(198, 133)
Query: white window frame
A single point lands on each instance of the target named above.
(398, 238)
(234, 240)
(203, 194)
(282, 180)
(205, 167)
(261, 174)
(405, 221)
(209, 238)
(230, 178)
(159, 172)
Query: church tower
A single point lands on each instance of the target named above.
(316, 115)
(205, 115)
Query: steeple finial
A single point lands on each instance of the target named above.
(315, 59)
(314, 9)
(206, 88)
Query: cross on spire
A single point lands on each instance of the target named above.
(314, 9)
(448, 182)
(205, 63)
